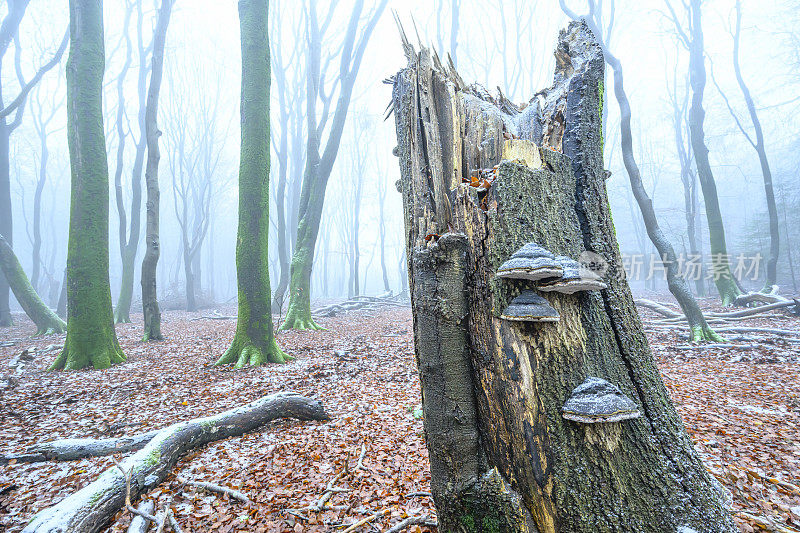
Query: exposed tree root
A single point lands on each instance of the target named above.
(306, 323)
(246, 353)
(91, 508)
(71, 359)
(704, 334)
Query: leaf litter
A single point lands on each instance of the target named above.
(369, 462)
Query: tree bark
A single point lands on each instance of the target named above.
(47, 322)
(254, 342)
(502, 456)
(152, 313)
(91, 339)
(91, 508)
(720, 260)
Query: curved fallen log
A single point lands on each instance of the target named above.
(74, 449)
(745, 313)
(90, 509)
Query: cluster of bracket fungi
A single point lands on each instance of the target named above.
(552, 273)
(595, 400)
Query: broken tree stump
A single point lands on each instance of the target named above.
(481, 178)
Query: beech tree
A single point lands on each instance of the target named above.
(699, 330)
(152, 313)
(319, 160)
(8, 32)
(254, 342)
(540, 414)
(727, 287)
(759, 147)
(47, 322)
(129, 230)
(91, 339)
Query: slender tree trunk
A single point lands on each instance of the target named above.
(47, 322)
(61, 306)
(319, 165)
(152, 313)
(504, 456)
(254, 342)
(6, 218)
(758, 145)
(191, 303)
(36, 258)
(720, 260)
(91, 339)
(129, 252)
(699, 330)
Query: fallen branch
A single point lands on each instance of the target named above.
(91, 508)
(235, 494)
(367, 520)
(140, 524)
(421, 520)
(73, 449)
(674, 316)
(717, 346)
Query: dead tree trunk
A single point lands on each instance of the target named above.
(505, 452)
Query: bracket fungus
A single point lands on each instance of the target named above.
(596, 400)
(530, 307)
(531, 262)
(574, 278)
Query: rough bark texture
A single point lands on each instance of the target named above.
(254, 341)
(720, 261)
(91, 339)
(92, 507)
(493, 389)
(152, 313)
(46, 321)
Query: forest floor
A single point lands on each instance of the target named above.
(741, 407)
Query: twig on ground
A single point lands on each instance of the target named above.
(367, 520)
(235, 494)
(360, 465)
(423, 520)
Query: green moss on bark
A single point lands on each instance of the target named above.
(298, 316)
(254, 342)
(47, 322)
(91, 339)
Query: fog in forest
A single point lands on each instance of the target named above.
(360, 249)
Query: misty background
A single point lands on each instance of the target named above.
(506, 44)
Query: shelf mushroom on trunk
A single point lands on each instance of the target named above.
(596, 400)
(529, 307)
(531, 262)
(574, 279)
(503, 457)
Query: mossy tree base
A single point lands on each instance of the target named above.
(300, 322)
(76, 355)
(245, 353)
(700, 334)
